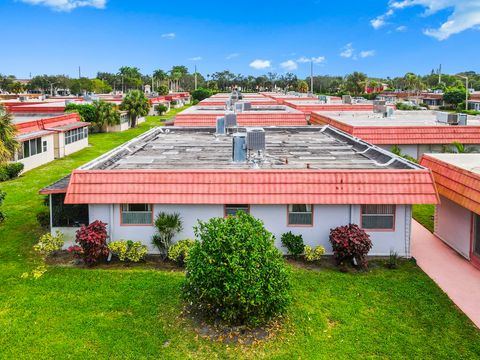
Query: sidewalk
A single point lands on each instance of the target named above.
(452, 273)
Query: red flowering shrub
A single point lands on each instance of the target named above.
(92, 243)
(350, 242)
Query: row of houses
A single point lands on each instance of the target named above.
(305, 177)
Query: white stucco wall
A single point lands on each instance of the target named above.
(45, 157)
(275, 219)
(117, 128)
(76, 146)
(453, 224)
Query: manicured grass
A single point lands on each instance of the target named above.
(134, 313)
(424, 215)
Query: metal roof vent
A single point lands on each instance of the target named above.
(239, 147)
(220, 126)
(230, 120)
(256, 139)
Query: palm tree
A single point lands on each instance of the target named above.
(458, 148)
(8, 141)
(136, 104)
(168, 225)
(159, 76)
(106, 115)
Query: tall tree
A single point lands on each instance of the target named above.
(106, 115)
(8, 141)
(136, 104)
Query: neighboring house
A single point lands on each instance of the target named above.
(124, 124)
(255, 115)
(45, 139)
(307, 180)
(414, 132)
(457, 217)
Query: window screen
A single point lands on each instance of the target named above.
(231, 210)
(381, 217)
(137, 214)
(300, 214)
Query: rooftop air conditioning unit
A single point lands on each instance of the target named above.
(238, 107)
(220, 126)
(462, 119)
(230, 120)
(447, 118)
(379, 106)
(247, 106)
(256, 139)
(347, 99)
(239, 148)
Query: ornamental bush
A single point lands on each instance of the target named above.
(92, 243)
(235, 273)
(314, 254)
(293, 243)
(180, 251)
(128, 250)
(48, 243)
(10, 171)
(161, 109)
(350, 243)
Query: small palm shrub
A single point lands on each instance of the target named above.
(48, 243)
(91, 243)
(235, 273)
(350, 243)
(180, 251)
(293, 243)
(168, 225)
(128, 250)
(161, 109)
(314, 254)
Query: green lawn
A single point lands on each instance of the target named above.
(134, 313)
(424, 215)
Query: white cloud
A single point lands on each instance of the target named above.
(67, 5)
(289, 65)
(367, 53)
(316, 60)
(347, 51)
(377, 23)
(232, 56)
(260, 64)
(465, 14)
(196, 58)
(401, 28)
(169, 35)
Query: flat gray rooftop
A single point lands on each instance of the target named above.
(468, 162)
(399, 118)
(286, 148)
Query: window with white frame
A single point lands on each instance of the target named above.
(75, 135)
(31, 148)
(137, 214)
(378, 217)
(300, 214)
(232, 209)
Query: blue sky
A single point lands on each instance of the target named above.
(379, 37)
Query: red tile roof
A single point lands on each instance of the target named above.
(51, 123)
(243, 119)
(459, 185)
(252, 187)
(380, 135)
(308, 108)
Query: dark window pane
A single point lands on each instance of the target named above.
(476, 239)
(39, 145)
(231, 210)
(68, 215)
(26, 149)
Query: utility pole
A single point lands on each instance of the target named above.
(79, 73)
(195, 77)
(440, 74)
(311, 77)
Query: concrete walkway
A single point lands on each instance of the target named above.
(455, 275)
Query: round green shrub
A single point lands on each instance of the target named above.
(235, 273)
(180, 251)
(293, 243)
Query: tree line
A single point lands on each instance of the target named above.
(178, 78)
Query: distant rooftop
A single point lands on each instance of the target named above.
(399, 118)
(467, 162)
(286, 148)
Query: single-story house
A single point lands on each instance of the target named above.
(457, 217)
(414, 132)
(307, 180)
(45, 139)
